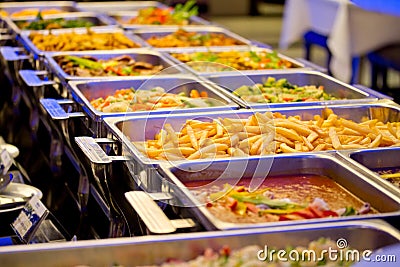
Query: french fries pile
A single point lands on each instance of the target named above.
(268, 133)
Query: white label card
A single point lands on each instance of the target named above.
(29, 219)
(5, 161)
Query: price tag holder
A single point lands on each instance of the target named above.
(5, 161)
(29, 220)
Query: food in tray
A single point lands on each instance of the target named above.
(89, 66)
(267, 133)
(280, 198)
(233, 60)
(32, 12)
(391, 175)
(179, 15)
(183, 38)
(128, 100)
(57, 23)
(71, 41)
(249, 256)
(281, 91)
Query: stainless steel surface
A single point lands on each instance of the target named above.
(5, 180)
(151, 214)
(140, 54)
(85, 91)
(344, 93)
(125, 129)
(257, 170)
(370, 160)
(112, 6)
(39, 54)
(145, 34)
(122, 18)
(97, 20)
(151, 250)
(211, 69)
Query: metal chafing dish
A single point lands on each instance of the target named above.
(347, 93)
(122, 18)
(152, 250)
(65, 6)
(371, 160)
(124, 129)
(106, 7)
(145, 34)
(257, 170)
(96, 19)
(39, 54)
(56, 73)
(206, 68)
(84, 91)
(5, 33)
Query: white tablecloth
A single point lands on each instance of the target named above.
(352, 31)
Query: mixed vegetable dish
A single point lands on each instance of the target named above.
(233, 60)
(249, 256)
(391, 175)
(128, 100)
(283, 198)
(281, 91)
(179, 15)
(89, 66)
(183, 38)
(56, 23)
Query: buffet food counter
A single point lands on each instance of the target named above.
(154, 135)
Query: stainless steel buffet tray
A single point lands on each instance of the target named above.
(112, 6)
(142, 167)
(344, 93)
(255, 171)
(85, 91)
(152, 250)
(207, 68)
(39, 54)
(372, 160)
(140, 54)
(145, 34)
(96, 19)
(65, 6)
(122, 18)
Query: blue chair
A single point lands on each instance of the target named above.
(381, 60)
(311, 38)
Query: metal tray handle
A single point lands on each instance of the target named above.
(260, 44)
(311, 65)
(372, 92)
(152, 215)
(32, 79)
(5, 37)
(54, 109)
(91, 148)
(10, 53)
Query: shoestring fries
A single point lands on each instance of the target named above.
(267, 133)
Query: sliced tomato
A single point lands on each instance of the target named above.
(305, 213)
(330, 213)
(322, 213)
(317, 212)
